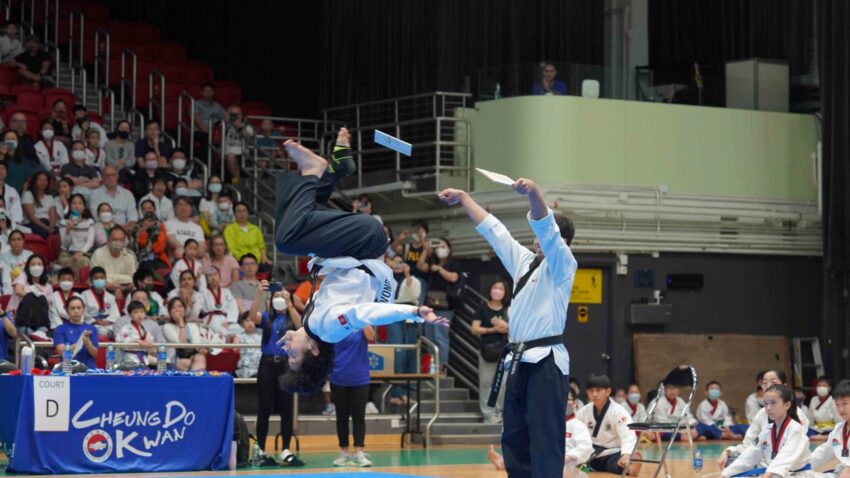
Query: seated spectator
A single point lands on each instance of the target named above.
(177, 331)
(59, 117)
(181, 168)
(101, 308)
(209, 203)
(118, 262)
(154, 142)
(222, 308)
(713, 416)
(143, 177)
(549, 85)
(83, 124)
(152, 313)
(105, 220)
(94, 152)
(268, 142)
(207, 112)
(10, 45)
(11, 199)
(77, 233)
(120, 152)
(8, 332)
(122, 201)
(33, 280)
(34, 64)
(222, 216)
(52, 153)
(243, 237)
(363, 205)
(18, 168)
(192, 260)
(59, 298)
(67, 334)
(219, 256)
(143, 279)
(39, 207)
(164, 206)
(249, 359)
(136, 331)
(63, 199)
(181, 228)
(84, 176)
(633, 405)
(302, 293)
(18, 124)
(152, 240)
(14, 260)
(192, 298)
(245, 289)
(670, 407)
(236, 131)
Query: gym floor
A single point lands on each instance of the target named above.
(451, 461)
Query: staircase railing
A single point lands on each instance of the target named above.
(76, 67)
(185, 127)
(464, 352)
(52, 44)
(156, 104)
(102, 61)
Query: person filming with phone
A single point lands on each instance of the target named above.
(443, 272)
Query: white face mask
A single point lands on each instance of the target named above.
(47, 134)
(36, 271)
(634, 398)
(442, 252)
(105, 217)
(279, 303)
(116, 245)
(151, 164)
(823, 391)
(178, 164)
(215, 188)
(78, 155)
(224, 206)
(182, 191)
(66, 285)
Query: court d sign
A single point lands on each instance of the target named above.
(52, 403)
(587, 287)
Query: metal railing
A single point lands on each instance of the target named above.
(157, 104)
(27, 20)
(102, 60)
(423, 342)
(219, 148)
(431, 122)
(77, 67)
(186, 126)
(48, 23)
(128, 84)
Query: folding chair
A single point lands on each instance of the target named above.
(681, 376)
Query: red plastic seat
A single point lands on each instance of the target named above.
(194, 89)
(30, 99)
(227, 93)
(143, 69)
(95, 12)
(5, 90)
(171, 114)
(174, 72)
(198, 72)
(22, 88)
(84, 275)
(226, 361)
(147, 51)
(254, 108)
(171, 52)
(146, 32)
(8, 76)
(4, 301)
(53, 94)
(119, 30)
(37, 245)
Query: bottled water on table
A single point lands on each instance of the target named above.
(67, 357)
(161, 359)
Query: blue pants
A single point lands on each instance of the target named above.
(440, 335)
(709, 431)
(405, 360)
(305, 226)
(535, 420)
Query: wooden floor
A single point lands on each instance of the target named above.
(439, 461)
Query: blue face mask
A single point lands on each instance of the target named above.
(714, 393)
(99, 283)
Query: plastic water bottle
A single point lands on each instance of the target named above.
(697, 461)
(110, 357)
(67, 356)
(498, 93)
(256, 455)
(26, 360)
(161, 359)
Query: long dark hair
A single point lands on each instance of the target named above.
(43, 278)
(32, 189)
(86, 214)
(787, 396)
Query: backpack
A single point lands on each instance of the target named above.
(33, 312)
(243, 441)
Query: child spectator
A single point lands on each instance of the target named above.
(715, 421)
(670, 407)
(249, 359)
(634, 406)
(101, 308)
(349, 380)
(59, 298)
(222, 216)
(608, 422)
(52, 153)
(823, 409)
(192, 261)
(221, 307)
(803, 410)
(135, 332)
(192, 298)
(754, 401)
(836, 446)
(74, 331)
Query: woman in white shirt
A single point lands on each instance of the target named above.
(192, 299)
(51, 153)
(77, 233)
(164, 206)
(39, 207)
(105, 222)
(782, 446)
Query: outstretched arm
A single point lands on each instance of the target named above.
(453, 197)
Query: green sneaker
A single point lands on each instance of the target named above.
(342, 161)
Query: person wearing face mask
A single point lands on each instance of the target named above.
(800, 397)
(84, 176)
(407, 292)
(83, 124)
(101, 308)
(51, 153)
(164, 206)
(30, 301)
(151, 239)
(17, 167)
(715, 420)
(145, 174)
(209, 203)
(280, 318)
(105, 222)
(633, 405)
(119, 263)
(490, 324)
(412, 251)
(436, 260)
(59, 298)
(181, 168)
(120, 151)
(223, 215)
(823, 410)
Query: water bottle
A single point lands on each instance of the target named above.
(67, 356)
(110, 357)
(697, 461)
(256, 455)
(498, 93)
(161, 359)
(26, 360)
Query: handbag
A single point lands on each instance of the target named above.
(491, 351)
(437, 299)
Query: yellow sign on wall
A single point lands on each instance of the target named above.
(587, 287)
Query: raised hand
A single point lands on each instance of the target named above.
(430, 317)
(525, 186)
(451, 196)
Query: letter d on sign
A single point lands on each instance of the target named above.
(52, 403)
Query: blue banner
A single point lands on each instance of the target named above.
(103, 423)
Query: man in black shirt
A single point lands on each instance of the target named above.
(411, 253)
(34, 64)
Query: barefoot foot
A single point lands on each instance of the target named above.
(495, 458)
(309, 163)
(343, 137)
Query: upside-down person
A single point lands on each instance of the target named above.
(358, 285)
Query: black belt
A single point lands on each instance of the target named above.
(518, 348)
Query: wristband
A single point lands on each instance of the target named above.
(418, 308)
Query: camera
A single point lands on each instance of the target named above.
(434, 243)
(275, 287)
